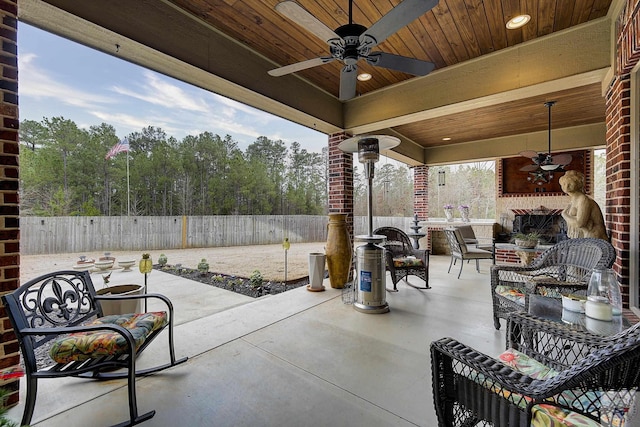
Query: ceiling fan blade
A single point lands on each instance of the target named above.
(529, 153)
(348, 80)
(299, 66)
(397, 18)
(562, 159)
(300, 16)
(400, 63)
(529, 168)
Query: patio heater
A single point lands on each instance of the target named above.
(370, 290)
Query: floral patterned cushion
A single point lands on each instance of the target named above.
(548, 415)
(510, 293)
(526, 365)
(549, 291)
(407, 262)
(86, 345)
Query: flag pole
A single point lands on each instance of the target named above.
(128, 187)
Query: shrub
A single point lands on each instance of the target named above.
(256, 279)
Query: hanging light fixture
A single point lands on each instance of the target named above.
(544, 164)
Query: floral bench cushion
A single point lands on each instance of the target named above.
(405, 262)
(549, 415)
(86, 345)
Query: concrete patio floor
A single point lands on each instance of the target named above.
(294, 359)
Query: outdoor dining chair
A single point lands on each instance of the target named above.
(463, 252)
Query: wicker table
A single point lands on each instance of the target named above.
(551, 309)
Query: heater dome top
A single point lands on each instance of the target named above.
(385, 142)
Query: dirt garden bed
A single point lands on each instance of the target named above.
(254, 286)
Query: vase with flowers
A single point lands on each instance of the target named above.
(464, 212)
(448, 212)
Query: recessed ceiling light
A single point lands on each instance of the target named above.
(446, 138)
(518, 21)
(363, 77)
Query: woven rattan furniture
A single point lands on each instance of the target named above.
(62, 310)
(463, 251)
(563, 269)
(550, 375)
(402, 260)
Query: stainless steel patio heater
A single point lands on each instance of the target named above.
(370, 280)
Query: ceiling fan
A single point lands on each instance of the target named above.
(352, 42)
(544, 164)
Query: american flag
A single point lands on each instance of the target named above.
(121, 146)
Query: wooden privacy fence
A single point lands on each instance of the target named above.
(51, 235)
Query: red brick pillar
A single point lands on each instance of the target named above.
(421, 192)
(618, 122)
(618, 168)
(340, 179)
(9, 218)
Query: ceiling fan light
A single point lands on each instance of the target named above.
(363, 77)
(549, 167)
(518, 21)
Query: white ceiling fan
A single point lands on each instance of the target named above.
(352, 42)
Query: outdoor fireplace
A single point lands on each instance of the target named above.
(547, 222)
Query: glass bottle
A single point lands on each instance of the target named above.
(603, 283)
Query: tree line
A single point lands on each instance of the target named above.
(64, 172)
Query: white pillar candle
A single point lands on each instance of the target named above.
(598, 308)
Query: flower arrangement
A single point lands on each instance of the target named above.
(448, 206)
(463, 207)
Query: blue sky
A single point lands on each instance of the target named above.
(59, 77)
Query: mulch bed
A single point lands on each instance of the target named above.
(254, 287)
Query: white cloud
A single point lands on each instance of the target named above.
(161, 92)
(50, 85)
(37, 83)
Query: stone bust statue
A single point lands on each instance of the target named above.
(583, 215)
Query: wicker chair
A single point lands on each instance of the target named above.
(550, 375)
(461, 251)
(402, 259)
(563, 269)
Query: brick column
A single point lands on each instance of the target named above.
(9, 216)
(618, 122)
(421, 192)
(340, 179)
(618, 168)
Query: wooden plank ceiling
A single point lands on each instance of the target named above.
(452, 32)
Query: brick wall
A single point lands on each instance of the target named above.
(340, 179)
(618, 120)
(9, 216)
(421, 192)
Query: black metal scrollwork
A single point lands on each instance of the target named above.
(59, 302)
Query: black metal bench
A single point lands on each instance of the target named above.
(57, 304)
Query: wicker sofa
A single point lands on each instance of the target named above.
(550, 375)
(563, 269)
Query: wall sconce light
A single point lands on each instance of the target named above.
(441, 178)
(90, 221)
(42, 222)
